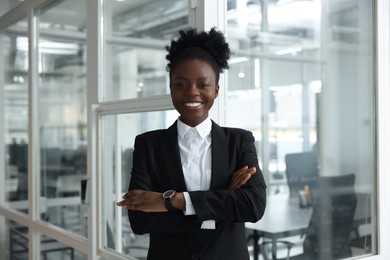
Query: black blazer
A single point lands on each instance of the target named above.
(157, 167)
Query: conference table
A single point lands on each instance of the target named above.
(284, 217)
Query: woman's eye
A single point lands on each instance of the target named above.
(204, 85)
(179, 85)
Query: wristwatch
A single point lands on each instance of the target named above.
(167, 196)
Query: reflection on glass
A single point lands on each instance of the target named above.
(117, 134)
(49, 247)
(15, 63)
(157, 19)
(18, 235)
(66, 15)
(309, 102)
(53, 249)
(62, 115)
(283, 28)
(135, 36)
(6, 5)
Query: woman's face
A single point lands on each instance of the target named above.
(193, 90)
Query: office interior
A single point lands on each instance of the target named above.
(80, 79)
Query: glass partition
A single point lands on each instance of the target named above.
(63, 112)
(18, 239)
(136, 33)
(6, 5)
(302, 80)
(53, 249)
(116, 152)
(14, 104)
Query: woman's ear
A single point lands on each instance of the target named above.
(216, 91)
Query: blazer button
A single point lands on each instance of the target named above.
(195, 257)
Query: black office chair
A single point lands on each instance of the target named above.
(334, 205)
(363, 242)
(301, 170)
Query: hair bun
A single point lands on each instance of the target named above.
(212, 42)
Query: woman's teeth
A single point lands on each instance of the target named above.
(195, 104)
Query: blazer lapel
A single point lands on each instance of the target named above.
(172, 159)
(219, 168)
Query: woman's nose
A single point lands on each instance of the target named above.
(192, 90)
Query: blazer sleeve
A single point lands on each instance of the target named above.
(246, 204)
(165, 222)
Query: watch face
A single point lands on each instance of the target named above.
(168, 194)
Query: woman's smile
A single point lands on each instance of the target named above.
(193, 104)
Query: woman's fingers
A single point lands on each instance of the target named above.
(147, 201)
(241, 176)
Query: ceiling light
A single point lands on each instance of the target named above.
(292, 51)
(238, 60)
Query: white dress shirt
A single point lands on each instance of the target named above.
(195, 155)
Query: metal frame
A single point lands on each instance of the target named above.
(383, 126)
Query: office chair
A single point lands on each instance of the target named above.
(301, 170)
(334, 205)
(362, 241)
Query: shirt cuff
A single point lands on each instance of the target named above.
(189, 207)
(208, 224)
(190, 210)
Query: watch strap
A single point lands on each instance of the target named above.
(168, 204)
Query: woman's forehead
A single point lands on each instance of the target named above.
(193, 67)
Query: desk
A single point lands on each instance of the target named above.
(282, 218)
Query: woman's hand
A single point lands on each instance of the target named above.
(140, 200)
(241, 176)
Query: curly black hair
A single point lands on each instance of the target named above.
(208, 46)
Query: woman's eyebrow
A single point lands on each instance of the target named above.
(202, 78)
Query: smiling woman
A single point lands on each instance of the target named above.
(196, 189)
(81, 80)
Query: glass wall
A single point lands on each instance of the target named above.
(62, 112)
(17, 240)
(50, 248)
(117, 136)
(136, 33)
(15, 101)
(6, 5)
(302, 80)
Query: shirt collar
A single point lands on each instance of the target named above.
(203, 128)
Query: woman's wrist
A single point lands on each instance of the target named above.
(178, 201)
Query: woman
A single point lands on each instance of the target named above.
(194, 184)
